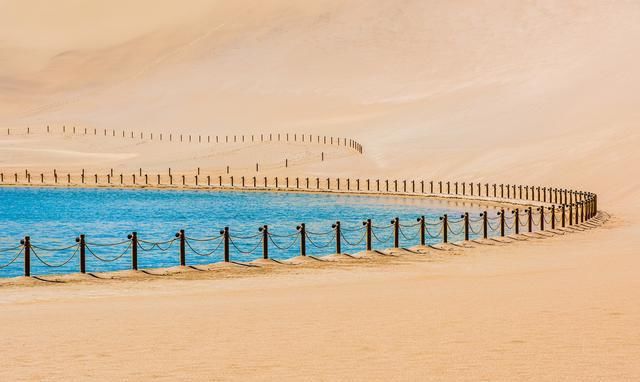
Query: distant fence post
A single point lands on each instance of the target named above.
(26, 242)
(265, 241)
(570, 215)
(134, 250)
(336, 226)
(303, 239)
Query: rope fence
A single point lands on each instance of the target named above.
(540, 213)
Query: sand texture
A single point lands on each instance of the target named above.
(520, 92)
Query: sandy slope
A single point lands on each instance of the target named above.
(530, 92)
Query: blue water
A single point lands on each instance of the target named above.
(54, 217)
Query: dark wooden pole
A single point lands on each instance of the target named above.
(485, 224)
(336, 226)
(445, 228)
(83, 254)
(369, 244)
(134, 250)
(303, 239)
(466, 226)
(183, 251)
(26, 242)
(265, 241)
(396, 232)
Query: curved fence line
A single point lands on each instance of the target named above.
(349, 143)
(545, 208)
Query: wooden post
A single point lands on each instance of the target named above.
(336, 226)
(134, 250)
(516, 223)
(26, 242)
(445, 228)
(225, 238)
(466, 226)
(265, 241)
(183, 250)
(502, 223)
(570, 215)
(530, 217)
(396, 232)
(423, 229)
(553, 216)
(564, 218)
(303, 238)
(369, 244)
(485, 224)
(541, 209)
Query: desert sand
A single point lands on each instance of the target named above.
(503, 92)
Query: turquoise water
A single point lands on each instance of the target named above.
(54, 217)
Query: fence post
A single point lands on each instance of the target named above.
(564, 217)
(367, 224)
(530, 212)
(516, 222)
(225, 238)
(265, 241)
(183, 253)
(396, 232)
(303, 239)
(485, 225)
(336, 226)
(570, 215)
(26, 242)
(501, 213)
(553, 216)
(466, 226)
(134, 250)
(83, 254)
(423, 228)
(541, 209)
(445, 228)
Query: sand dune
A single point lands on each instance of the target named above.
(543, 92)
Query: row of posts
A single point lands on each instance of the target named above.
(271, 137)
(544, 194)
(575, 216)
